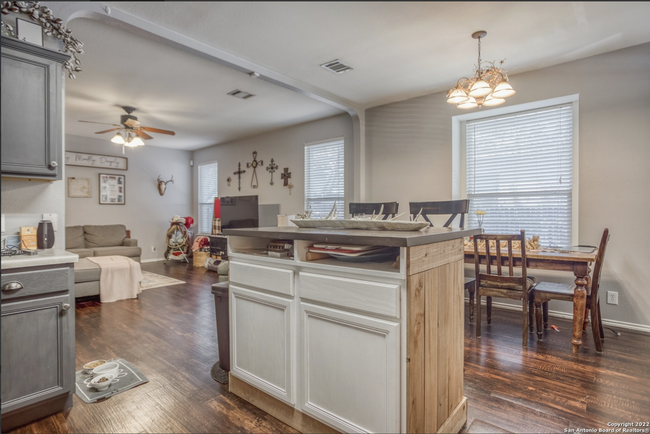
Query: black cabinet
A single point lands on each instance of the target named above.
(32, 111)
(37, 343)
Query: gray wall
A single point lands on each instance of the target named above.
(412, 139)
(146, 214)
(286, 147)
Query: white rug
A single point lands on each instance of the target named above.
(153, 280)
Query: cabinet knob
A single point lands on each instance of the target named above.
(12, 286)
(53, 164)
(66, 306)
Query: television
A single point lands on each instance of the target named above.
(239, 212)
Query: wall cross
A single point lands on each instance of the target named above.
(254, 165)
(272, 167)
(238, 173)
(286, 175)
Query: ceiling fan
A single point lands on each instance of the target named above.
(129, 131)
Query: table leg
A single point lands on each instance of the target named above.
(581, 271)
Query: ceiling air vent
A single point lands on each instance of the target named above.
(336, 66)
(240, 94)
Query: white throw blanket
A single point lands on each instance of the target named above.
(120, 278)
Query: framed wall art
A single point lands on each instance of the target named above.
(80, 187)
(112, 189)
(95, 160)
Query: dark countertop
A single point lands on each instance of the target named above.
(356, 236)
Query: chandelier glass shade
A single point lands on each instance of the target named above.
(488, 86)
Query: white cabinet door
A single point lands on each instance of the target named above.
(350, 370)
(261, 341)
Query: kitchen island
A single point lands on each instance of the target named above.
(342, 345)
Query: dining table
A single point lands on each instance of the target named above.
(577, 262)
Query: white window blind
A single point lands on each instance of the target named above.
(519, 170)
(324, 177)
(208, 190)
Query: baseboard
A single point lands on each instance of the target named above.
(152, 260)
(556, 314)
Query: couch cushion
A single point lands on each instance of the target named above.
(104, 235)
(74, 237)
(129, 252)
(83, 253)
(86, 271)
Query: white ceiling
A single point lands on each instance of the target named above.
(398, 50)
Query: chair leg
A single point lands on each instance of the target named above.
(471, 305)
(545, 309)
(531, 323)
(538, 317)
(478, 314)
(595, 329)
(489, 310)
(600, 322)
(524, 308)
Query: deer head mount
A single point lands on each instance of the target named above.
(162, 185)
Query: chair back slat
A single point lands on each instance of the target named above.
(598, 268)
(390, 208)
(510, 258)
(499, 259)
(453, 207)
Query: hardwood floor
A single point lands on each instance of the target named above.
(169, 333)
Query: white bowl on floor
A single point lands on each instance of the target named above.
(102, 382)
(108, 368)
(88, 367)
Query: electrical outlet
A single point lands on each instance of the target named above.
(612, 297)
(52, 218)
(153, 248)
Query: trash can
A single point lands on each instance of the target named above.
(220, 292)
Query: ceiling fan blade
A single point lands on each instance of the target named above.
(158, 130)
(108, 131)
(142, 134)
(102, 123)
(132, 123)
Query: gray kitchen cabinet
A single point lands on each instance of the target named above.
(37, 338)
(32, 111)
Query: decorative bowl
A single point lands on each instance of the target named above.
(102, 382)
(108, 368)
(88, 367)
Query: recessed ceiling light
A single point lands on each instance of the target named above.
(336, 66)
(240, 94)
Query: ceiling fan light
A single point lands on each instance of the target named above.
(469, 104)
(118, 139)
(456, 96)
(480, 88)
(490, 100)
(134, 142)
(503, 90)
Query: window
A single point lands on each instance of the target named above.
(324, 177)
(519, 169)
(208, 183)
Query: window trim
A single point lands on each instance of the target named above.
(198, 194)
(459, 148)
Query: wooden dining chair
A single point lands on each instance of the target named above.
(500, 278)
(390, 208)
(453, 207)
(547, 291)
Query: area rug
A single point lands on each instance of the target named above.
(128, 378)
(153, 280)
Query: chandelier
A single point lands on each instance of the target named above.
(488, 86)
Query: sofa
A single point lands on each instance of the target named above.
(97, 240)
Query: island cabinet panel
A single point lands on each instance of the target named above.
(355, 294)
(344, 357)
(262, 341)
(435, 401)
